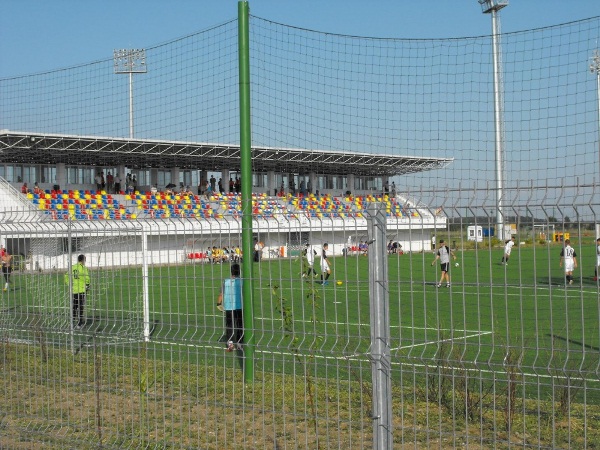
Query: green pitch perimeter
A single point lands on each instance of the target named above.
(490, 310)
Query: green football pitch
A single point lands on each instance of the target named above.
(524, 309)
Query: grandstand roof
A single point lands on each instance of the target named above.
(41, 148)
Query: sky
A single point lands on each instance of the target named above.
(42, 35)
(551, 102)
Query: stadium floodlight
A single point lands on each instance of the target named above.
(487, 6)
(130, 61)
(492, 7)
(595, 69)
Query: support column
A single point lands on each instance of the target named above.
(350, 185)
(153, 178)
(61, 176)
(271, 185)
(311, 186)
(225, 178)
(175, 176)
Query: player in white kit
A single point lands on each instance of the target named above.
(569, 258)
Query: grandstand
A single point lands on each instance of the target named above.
(195, 216)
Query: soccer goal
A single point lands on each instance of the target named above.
(543, 231)
(39, 301)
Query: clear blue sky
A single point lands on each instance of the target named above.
(41, 35)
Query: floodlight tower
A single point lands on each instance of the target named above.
(130, 61)
(492, 7)
(595, 69)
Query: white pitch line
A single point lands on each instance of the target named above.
(406, 327)
(443, 340)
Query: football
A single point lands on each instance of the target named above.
(339, 282)
(456, 264)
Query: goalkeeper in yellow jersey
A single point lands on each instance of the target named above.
(80, 277)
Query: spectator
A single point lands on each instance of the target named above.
(117, 181)
(24, 189)
(302, 187)
(363, 248)
(37, 189)
(237, 254)
(98, 180)
(110, 182)
(257, 251)
(6, 266)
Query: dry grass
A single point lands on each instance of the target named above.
(110, 401)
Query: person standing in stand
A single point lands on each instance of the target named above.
(110, 183)
(117, 181)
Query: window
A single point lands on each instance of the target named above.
(30, 174)
(142, 177)
(48, 174)
(163, 178)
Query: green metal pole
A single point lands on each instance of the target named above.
(246, 174)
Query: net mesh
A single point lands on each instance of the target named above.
(507, 355)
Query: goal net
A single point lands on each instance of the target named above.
(39, 304)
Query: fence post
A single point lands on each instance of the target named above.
(380, 328)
